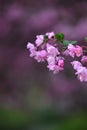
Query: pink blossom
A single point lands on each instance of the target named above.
(76, 65)
(53, 51)
(41, 55)
(55, 68)
(61, 63)
(50, 34)
(81, 71)
(49, 52)
(39, 40)
(71, 50)
(32, 49)
(51, 67)
(78, 51)
(55, 64)
(82, 74)
(51, 60)
(30, 46)
(84, 59)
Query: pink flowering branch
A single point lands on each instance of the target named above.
(52, 48)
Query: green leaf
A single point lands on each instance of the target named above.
(59, 37)
(73, 42)
(66, 42)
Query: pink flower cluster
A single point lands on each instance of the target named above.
(74, 51)
(47, 48)
(81, 70)
(46, 52)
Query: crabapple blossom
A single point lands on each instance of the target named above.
(50, 35)
(30, 46)
(71, 50)
(84, 59)
(52, 48)
(39, 40)
(76, 65)
(55, 64)
(82, 74)
(53, 51)
(61, 63)
(55, 68)
(81, 71)
(32, 49)
(78, 51)
(51, 60)
(40, 55)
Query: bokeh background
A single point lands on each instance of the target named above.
(31, 97)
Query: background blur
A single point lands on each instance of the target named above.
(31, 97)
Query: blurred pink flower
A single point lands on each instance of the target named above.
(53, 51)
(51, 60)
(81, 71)
(50, 34)
(32, 49)
(40, 55)
(39, 40)
(71, 50)
(78, 51)
(61, 63)
(76, 65)
(82, 74)
(84, 59)
(55, 68)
